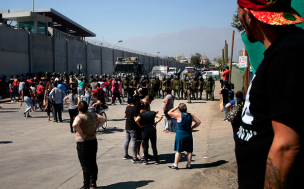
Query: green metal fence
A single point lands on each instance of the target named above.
(237, 78)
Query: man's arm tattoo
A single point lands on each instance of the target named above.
(272, 176)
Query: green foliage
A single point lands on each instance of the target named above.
(236, 22)
(196, 59)
(218, 60)
(170, 58)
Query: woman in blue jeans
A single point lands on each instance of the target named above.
(131, 131)
(27, 96)
(87, 94)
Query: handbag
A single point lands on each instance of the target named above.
(234, 114)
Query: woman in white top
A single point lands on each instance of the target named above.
(74, 100)
(87, 93)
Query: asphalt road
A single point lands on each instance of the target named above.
(35, 153)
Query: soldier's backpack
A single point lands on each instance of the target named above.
(235, 113)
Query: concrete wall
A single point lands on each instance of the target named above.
(107, 60)
(118, 53)
(61, 61)
(21, 52)
(14, 52)
(41, 53)
(77, 54)
(127, 54)
(93, 59)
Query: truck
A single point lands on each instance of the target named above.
(189, 72)
(159, 71)
(129, 65)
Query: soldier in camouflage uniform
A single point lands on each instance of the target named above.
(189, 86)
(152, 86)
(210, 88)
(177, 85)
(184, 90)
(201, 86)
(133, 82)
(195, 89)
(157, 87)
(172, 87)
(125, 86)
(163, 86)
(91, 79)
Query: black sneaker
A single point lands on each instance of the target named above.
(145, 163)
(157, 162)
(173, 167)
(127, 157)
(55, 121)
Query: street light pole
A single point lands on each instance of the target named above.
(33, 5)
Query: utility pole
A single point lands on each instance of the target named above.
(226, 53)
(33, 5)
(230, 67)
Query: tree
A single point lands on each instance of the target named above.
(196, 59)
(236, 22)
(207, 63)
(170, 58)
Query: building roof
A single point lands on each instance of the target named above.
(59, 20)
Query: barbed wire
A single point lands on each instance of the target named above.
(117, 47)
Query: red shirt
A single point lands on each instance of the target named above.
(95, 90)
(225, 74)
(40, 89)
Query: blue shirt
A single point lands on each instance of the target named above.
(239, 101)
(61, 86)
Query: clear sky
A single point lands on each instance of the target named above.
(113, 20)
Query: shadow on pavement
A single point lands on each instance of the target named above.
(110, 130)
(11, 108)
(130, 184)
(7, 111)
(169, 158)
(117, 119)
(208, 165)
(6, 142)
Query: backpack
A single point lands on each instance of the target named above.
(235, 113)
(230, 95)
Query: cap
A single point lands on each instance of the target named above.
(273, 12)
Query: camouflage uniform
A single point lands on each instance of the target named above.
(125, 86)
(210, 88)
(189, 86)
(157, 87)
(184, 90)
(176, 87)
(201, 86)
(195, 89)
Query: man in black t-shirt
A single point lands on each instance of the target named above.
(269, 142)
